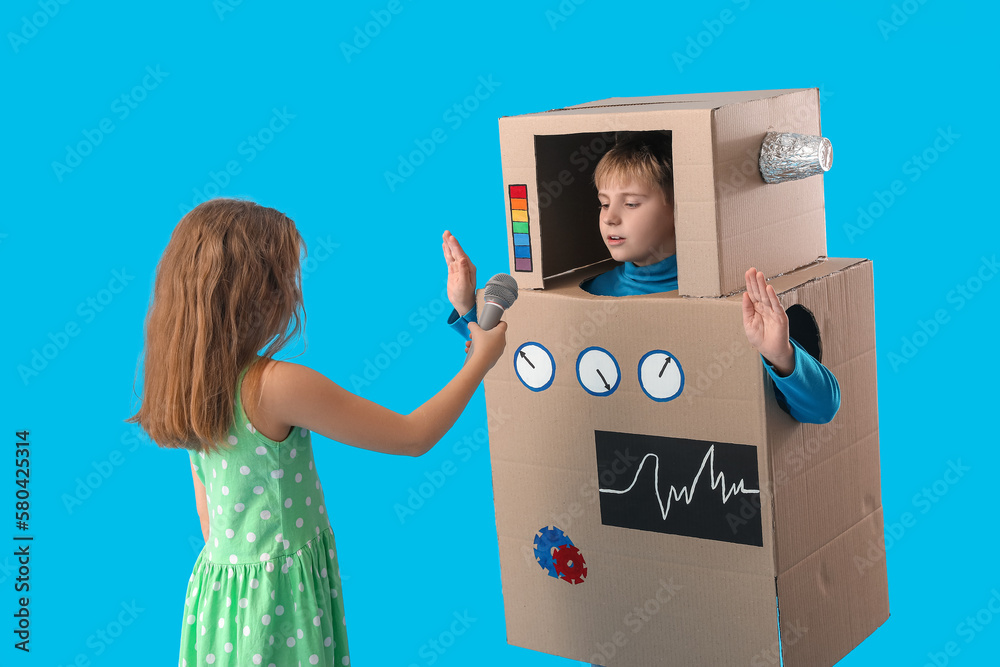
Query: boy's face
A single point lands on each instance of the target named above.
(637, 223)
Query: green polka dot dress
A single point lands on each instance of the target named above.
(266, 589)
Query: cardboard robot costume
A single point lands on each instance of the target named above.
(652, 501)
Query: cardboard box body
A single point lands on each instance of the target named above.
(716, 529)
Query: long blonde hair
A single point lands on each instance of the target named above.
(229, 281)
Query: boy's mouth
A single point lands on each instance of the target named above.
(615, 240)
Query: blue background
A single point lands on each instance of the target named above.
(889, 90)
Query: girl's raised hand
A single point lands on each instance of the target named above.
(461, 275)
(766, 323)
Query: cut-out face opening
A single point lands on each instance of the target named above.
(569, 209)
(803, 329)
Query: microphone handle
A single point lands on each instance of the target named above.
(490, 318)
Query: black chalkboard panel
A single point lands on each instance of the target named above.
(679, 486)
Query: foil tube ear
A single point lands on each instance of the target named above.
(786, 156)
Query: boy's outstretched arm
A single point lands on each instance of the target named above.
(805, 388)
(461, 285)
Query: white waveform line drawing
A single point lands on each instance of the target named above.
(686, 493)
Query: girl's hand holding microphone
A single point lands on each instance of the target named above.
(486, 347)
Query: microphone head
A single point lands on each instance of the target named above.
(501, 289)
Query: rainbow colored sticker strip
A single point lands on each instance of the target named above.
(519, 226)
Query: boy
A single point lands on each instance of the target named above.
(635, 189)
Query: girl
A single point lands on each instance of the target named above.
(266, 588)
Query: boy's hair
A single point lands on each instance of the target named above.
(639, 156)
(229, 281)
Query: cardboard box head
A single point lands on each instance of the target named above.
(724, 212)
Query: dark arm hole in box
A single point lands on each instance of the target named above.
(803, 329)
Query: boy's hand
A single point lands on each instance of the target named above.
(461, 275)
(766, 323)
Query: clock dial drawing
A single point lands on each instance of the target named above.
(660, 375)
(534, 366)
(598, 371)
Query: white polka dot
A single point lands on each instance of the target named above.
(251, 537)
(346, 660)
(269, 567)
(225, 463)
(317, 483)
(220, 509)
(291, 642)
(225, 490)
(265, 515)
(232, 440)
(310, 465)
(217, 586)
(254, 583)
(300, 634)
(316, 621)
(265, 556)
(321, 509)
(278, 474)
(243, 603)
(257, 658)
(261, 450)
(191, 619)
(292, 453)
(214, 474)
(233, 559)
(284, 543)
(279, 610)
(327, 641)
(303, 433)
(298, 523)
(222, 622)
(333, 592)
(322, 573)
(298, 477)
(228, 647)
(314, 659)
(210, 658)
(309, 500)
(230, 532)
(244, 470)
(217, 541)
(246, 631)
(203, 631)
(240, 507)
(266, 619)
(288, 503)
(258, 490)
(251, 428)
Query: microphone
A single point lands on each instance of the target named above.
(499, 294)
